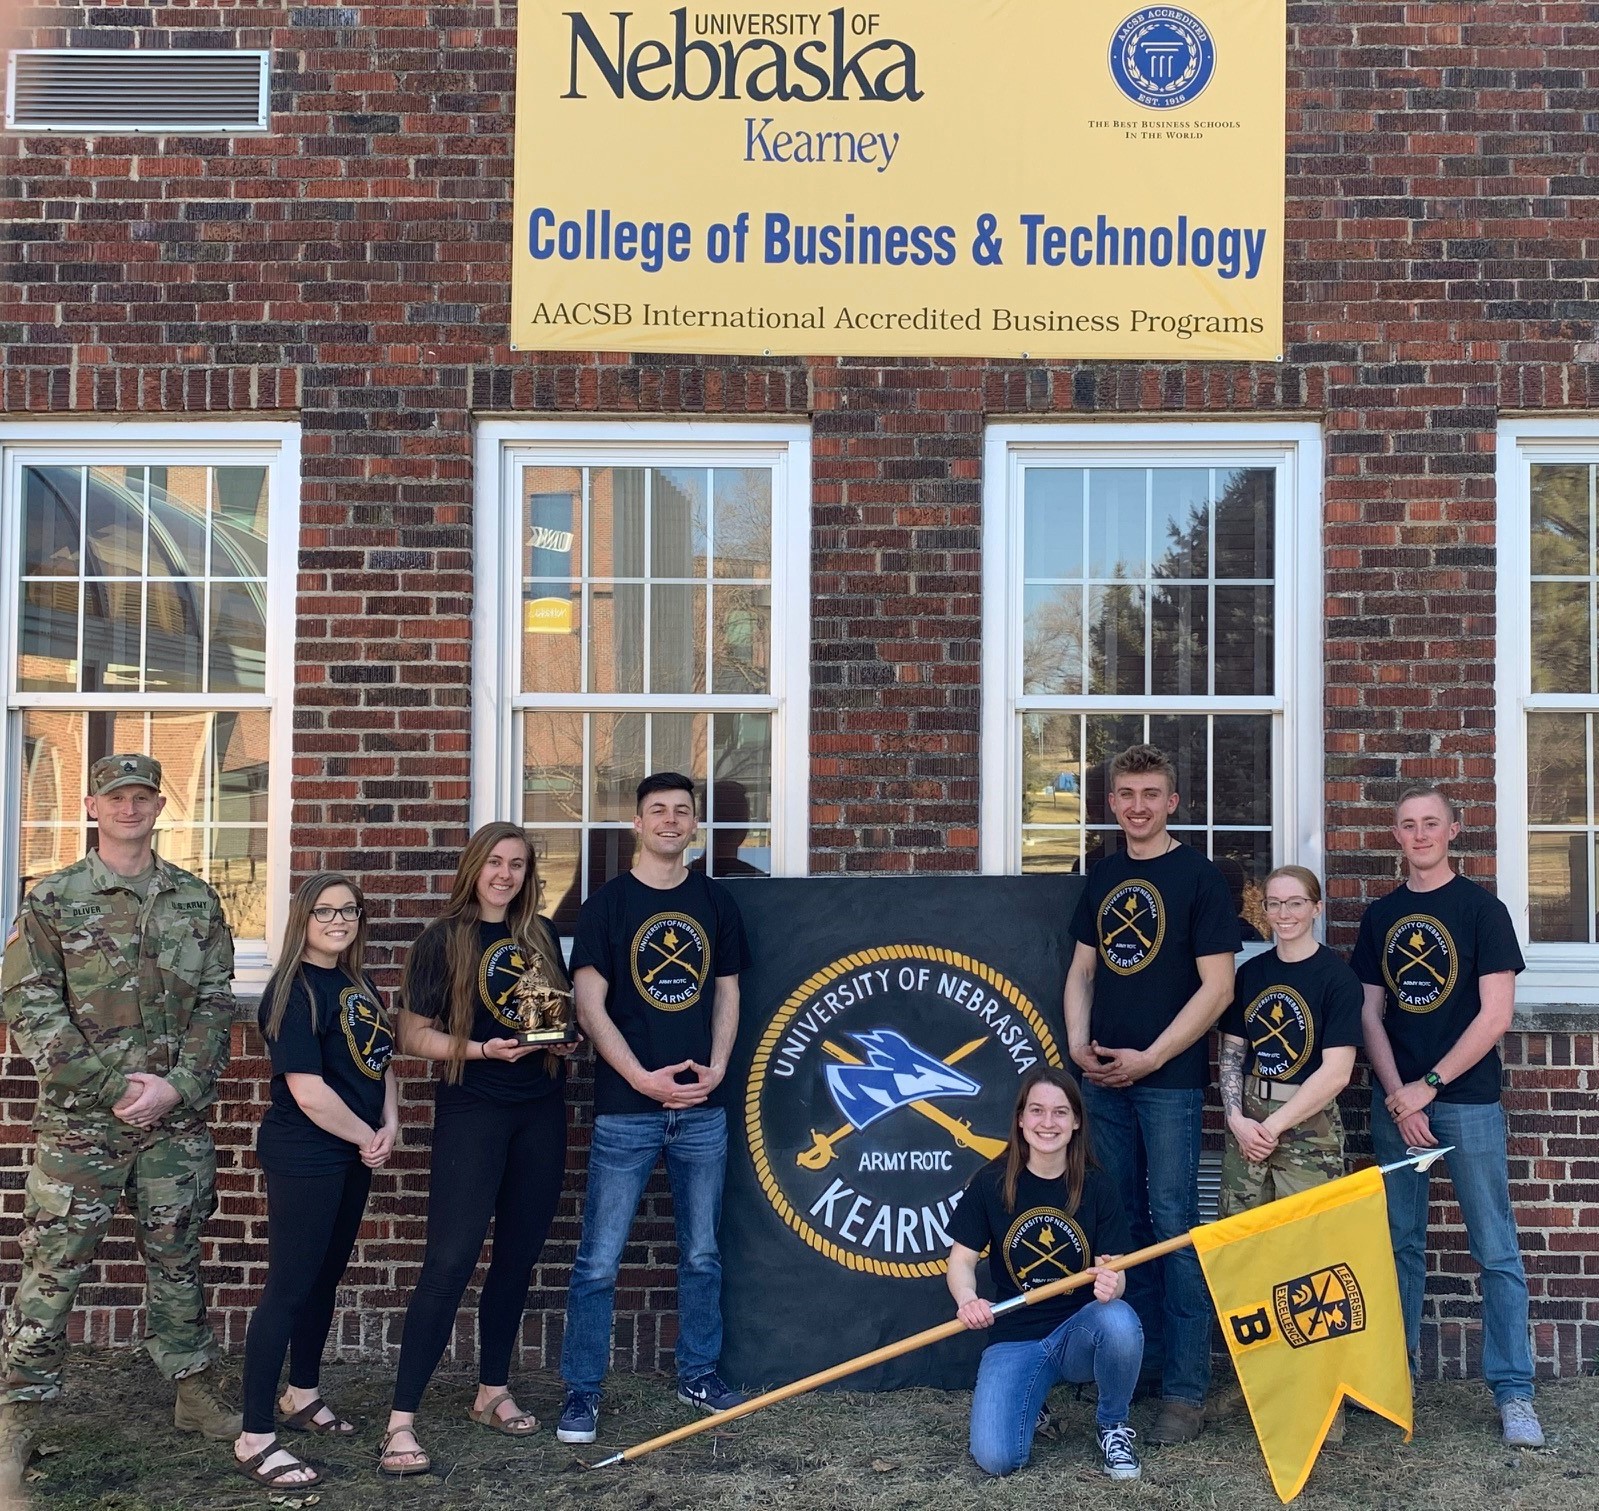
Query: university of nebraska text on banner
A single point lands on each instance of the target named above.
(916, 177)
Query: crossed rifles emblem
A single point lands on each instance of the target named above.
(672, 949)
(1293, 1051)
(1049, 1251)
(1130, 911)
(369, 1017)
(1414, 953)
(822, 1152)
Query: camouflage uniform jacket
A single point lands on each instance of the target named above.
(99, 982)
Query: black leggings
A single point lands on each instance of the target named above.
(312, 1221)
(497, 1160)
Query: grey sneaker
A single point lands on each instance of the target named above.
(1118, 1457)
(1520, 1423)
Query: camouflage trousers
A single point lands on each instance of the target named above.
(168, 1179)
(1310, 1154)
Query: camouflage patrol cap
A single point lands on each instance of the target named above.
(111, 772)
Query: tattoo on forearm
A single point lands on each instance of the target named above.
(1232, 1077)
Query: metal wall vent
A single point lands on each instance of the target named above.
(101, 90)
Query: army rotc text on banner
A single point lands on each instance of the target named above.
(914, 177)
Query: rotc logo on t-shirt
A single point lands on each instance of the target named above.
(670, 958)
(1044, 1244)
(1132, 923)
(365, 1031)
(1281, 1030)
(499, 971)
(1419, 963)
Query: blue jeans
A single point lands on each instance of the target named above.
(1102, 1342)
(1478, 1169)
(622, 1154)
(1147, 1138)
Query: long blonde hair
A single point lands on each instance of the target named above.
(1078, 1152)
(459, 920)
(291, 963)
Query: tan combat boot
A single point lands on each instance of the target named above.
(200, 1409)
(18, 1427)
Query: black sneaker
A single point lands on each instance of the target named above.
(1118, 1458)
(709, 1393)
(580, 1417)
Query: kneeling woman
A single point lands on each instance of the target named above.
(1045, 1211)
(331, 1123)
(499, 1128)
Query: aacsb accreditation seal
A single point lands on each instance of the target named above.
(1162, 57)
(879, 1088)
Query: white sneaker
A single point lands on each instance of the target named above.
(1520, 1423)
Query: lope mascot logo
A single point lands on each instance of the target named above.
(863, 1135)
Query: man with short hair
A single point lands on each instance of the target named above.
(1438, 957)
(1152, 971)
(116, 987)
(655, 967)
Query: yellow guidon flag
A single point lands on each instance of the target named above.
(1308, 1301)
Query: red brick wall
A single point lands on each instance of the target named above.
(351, 270)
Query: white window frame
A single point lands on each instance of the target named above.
(1564, 972)
(501, 447)
(191, 443)
(1294, 452)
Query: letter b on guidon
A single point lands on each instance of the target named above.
(1250, 1328)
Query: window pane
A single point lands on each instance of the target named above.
(1557, 768)
(611, 853)
(1116, 640)
(677, 743)
(1052, 522)
(679, 522)
(740, 851)
(552, 637)
(238, 870)
(1185, 739)
(743, 636)
(115, 546)
(1562, 638)
(1245, 649)
(177, 521)
(48, 655)
(238, 638)
(556, 853)
(1244, 861)
(1052, 640)
(1107, 736)
(51, 503)
(616, 521)
(743, 774)
(1562, 517)
(1181, 499)
(743, 503)
(178, 742)
(1179, 641)
(53, 776)
(1557, 888)
(618, 757)
(1244, 523)
(1242, 753)
(552, 767)
(552, 519)
(616, 638)
(239, 522)
(240, 744)
(172, 637)
(111, 615)
(1116, 522)
(677, 639)
(1052, 791)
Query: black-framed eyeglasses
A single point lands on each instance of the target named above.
(349, 912)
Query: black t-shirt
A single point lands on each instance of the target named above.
(501, 964)
(1038, 1242)
(1150, 920)
(350, 1048)
(1428, 951)
(660, 952)
(1288, 1011)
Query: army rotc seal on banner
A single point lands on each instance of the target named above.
(1419, 963)
(877, 1090)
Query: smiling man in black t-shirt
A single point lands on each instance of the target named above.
(655, 966)
(1156, 932)
(1438, 957)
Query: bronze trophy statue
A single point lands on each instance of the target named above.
(545, 1011)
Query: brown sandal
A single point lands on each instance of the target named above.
(523, 1424)
(304, 1420)
(384, 1452)
(251, 1469)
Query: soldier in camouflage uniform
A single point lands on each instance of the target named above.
(116, 986)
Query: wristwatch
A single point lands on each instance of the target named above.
(1433, 1079)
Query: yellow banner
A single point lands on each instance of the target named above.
(1309, 1305)
(921, 177)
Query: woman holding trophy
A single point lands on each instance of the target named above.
(486, 995)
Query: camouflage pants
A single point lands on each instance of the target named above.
(1307, 1155)
(168, 1180)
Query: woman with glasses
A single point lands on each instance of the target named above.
(499, 1128)
(332, 1121)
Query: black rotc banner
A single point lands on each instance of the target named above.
(884, 1028)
